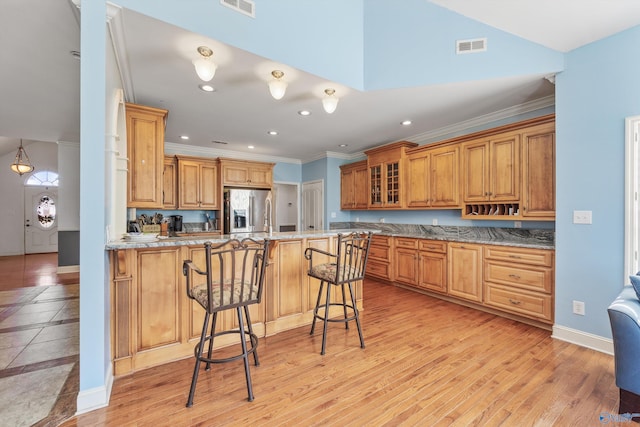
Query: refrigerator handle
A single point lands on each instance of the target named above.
(250, 213)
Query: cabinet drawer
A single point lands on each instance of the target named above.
(406, 242)
(521, 276)
(379, 252)
(378, 269)
(530, 304)
(433, 246)
(520, 255)
(378, 240)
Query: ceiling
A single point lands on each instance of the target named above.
(39, 81)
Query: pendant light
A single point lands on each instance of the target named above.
(205, 67)
(277, 86)
(330, 102)
(21, 164)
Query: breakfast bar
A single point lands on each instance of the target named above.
(154, 322)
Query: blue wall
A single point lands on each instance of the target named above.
(594, 94)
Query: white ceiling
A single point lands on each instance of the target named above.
(39, 81)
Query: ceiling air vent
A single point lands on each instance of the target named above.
(471, 46)
(246, 7)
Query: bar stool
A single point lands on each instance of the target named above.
(345, 267)
(234, 273)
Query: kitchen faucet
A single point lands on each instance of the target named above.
(268, 213)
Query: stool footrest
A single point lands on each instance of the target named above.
(254, 345)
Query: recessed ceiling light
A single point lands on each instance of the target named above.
(272, 132)
(251, 147)
(304, 112)
(184, 137)
(405, 122)
(207, 88)
(343, 145)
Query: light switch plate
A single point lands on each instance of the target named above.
(582, 217)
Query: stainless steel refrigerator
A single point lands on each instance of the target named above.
(247, 211)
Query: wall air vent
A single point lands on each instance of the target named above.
(246, 7)
(471, 46)
(220, 142)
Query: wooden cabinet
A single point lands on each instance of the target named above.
(520, 281)
(353, 186)
(240, 173)
(538, 173)
(421, 263)
(432, 178)
(385, 175)
(465, 271)
(380, 261)
(145, 150)
(198, 186)
(491, 169)
(170, 183)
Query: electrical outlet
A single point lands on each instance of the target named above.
(357, 219)
(382, 220)
(517, 224)
(434, 221)
(333, 214)
(578, 307)
(582, 217)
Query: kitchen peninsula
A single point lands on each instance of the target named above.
(153, 321)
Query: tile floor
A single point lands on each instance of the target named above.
(39, 345)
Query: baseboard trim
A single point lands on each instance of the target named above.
(95, 398)
(583, 339)
(68, 269)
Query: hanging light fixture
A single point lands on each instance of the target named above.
(205, 67)
(277, 86)
(330, 102)
(21, 164)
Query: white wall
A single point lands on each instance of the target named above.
(44, 156)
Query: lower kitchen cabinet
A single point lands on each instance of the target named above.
(421, 263)
(520, 281)
(465, 271)
(380, 261)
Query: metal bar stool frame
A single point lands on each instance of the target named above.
(346, 266)
(242, 287)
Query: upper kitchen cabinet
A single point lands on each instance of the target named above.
(538, 172)
(145, 150)
(385, 175)
(353, 186)
(491, 169)
(242, 173)
(432, 177)
(198, 185)
(170, 183)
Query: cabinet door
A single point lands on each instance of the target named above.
(260, 176)
(505, 169)
(360, 187)
(347, 194)
(170, 186)
(418, 189)
(234, 174)
(538, 173)
(433, 271)
(375, 186)
(392, 179)
(406, 266)
(445, 186)
(145, 149)
(465, 271)
(475, 166)
(209, 193)
(189, 179)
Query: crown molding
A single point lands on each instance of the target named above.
(459, 128)
(116, 32)
(192, 150)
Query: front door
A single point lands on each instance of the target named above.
(40, 220)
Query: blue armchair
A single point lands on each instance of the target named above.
(624, 315)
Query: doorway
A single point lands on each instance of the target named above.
(313, 205)
(286, 203)
(40, 220)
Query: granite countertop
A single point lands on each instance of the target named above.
(208, 237)
(516, 237)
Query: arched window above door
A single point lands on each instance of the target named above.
(44, 178)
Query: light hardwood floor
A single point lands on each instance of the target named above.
(426, 362)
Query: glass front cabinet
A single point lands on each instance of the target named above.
(385, 175)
